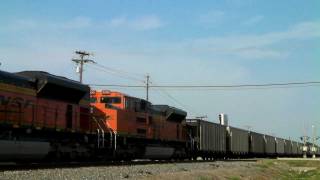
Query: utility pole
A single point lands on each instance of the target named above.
(315, 138)
(313, 149)
(147, 86)
(305, 139)
(304, 148)
(80, 62)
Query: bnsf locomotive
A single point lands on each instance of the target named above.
(48, 117)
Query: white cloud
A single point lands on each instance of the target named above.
(148, 22)
(254, 46)
(118, 21)
(212, 17)
(256, 53)
(24, 24)
(76, 23)
(253, 20)
(33, 24)
(141, 23)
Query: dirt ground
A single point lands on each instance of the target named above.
(265, 169)
(262, 170)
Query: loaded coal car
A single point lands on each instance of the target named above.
(300, 148)
(280, 147)
(207, 139)
(256, 144)
(237, 142)
(42, 115)
(287, 148)
(294, 148)
(131, 127)
(270, 146)
(317, 151)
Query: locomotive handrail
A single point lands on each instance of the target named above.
(103, 129)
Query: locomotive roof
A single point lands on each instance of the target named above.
(166, 108)
(197, 120)
(11, 78)
(172, 113)
(56, 87)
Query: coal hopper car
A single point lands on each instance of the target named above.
(207, 139)
(270, 146)
(237, 142)
(256, 144)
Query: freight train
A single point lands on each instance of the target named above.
(52, 118)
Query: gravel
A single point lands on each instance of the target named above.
(120, 172)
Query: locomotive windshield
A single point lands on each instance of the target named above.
(93, 100)
(111, 100)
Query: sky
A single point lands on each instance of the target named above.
(208, 42)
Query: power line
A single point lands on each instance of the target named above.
(176, 101)
(103, 69)
(218, 87)
(241, 88)
(117, 71)
(239, 85)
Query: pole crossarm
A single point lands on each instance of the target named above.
(81, 61)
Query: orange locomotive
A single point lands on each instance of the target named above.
(45, 101)
(139, 128)
(39, 111)
(48, 116)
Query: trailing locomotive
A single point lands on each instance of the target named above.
(42, 115)
(48, 117)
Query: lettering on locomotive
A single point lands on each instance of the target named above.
(15, 101)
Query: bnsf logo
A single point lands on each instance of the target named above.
(15, 102)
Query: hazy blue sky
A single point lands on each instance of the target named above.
(181, 42)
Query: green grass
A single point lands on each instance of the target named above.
(267, 163)
(303, 163)
(312, 174)
(288, 170)
(204, 178)
(234, 178)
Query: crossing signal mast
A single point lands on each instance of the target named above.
(305, 139)
(315, 138)
(81, 61)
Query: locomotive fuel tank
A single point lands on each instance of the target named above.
(23, 150)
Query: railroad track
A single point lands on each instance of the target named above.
(37, 166)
